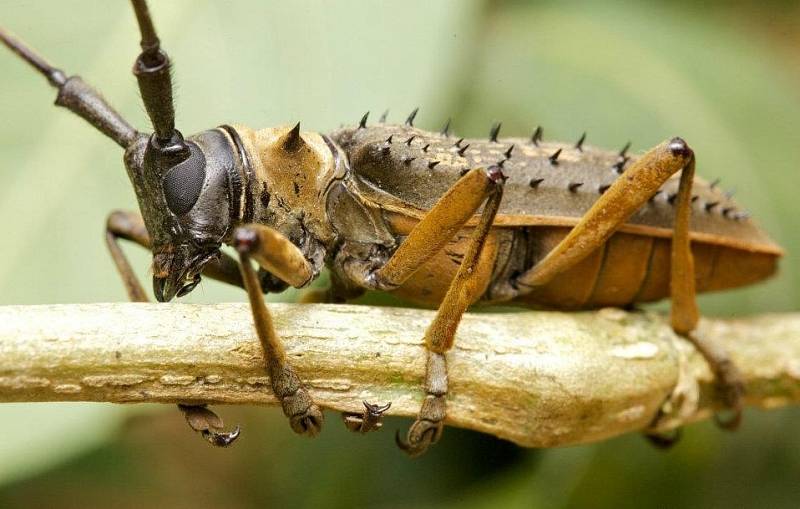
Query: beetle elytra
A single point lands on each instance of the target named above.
(436, 219)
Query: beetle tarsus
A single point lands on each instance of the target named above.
(729, 383)
(223, 439)
(308, 423)
(209, 425)
(665, 439)
(426, 429)
(730, 390)
(368, 420)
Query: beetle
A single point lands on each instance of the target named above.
(436, 219)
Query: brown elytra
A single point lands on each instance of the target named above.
(402, 171)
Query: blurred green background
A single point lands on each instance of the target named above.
(725, 75)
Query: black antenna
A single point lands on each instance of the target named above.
(152, 71)
(75, 95)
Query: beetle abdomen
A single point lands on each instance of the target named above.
(627, 269)
(632, 268)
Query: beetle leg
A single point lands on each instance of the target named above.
(337, 292)
(319, 296)
(664, 440)
(279, 256)
(209, 425)
(627, 195)
(130, 226)
(439, 225)
(369, 420)
(440, 335)
(612, 209)
(684, 313)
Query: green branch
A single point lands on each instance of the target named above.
(536, 378)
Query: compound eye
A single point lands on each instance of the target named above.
(182, 183)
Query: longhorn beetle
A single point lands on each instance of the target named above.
(438, 220)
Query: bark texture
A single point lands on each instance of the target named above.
(539, 379)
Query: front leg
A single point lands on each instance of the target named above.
(279, 256)
(130, 226)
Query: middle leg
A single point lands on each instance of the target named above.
(130, 226)
(429, 236)
(464, 290)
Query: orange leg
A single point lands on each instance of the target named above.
(280, 257)
(438, 227)
(427, 238)
(684, 313)
(627, 194)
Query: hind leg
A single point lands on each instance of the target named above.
(684, 313)
(625, 196)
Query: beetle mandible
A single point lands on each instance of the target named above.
(438, 220)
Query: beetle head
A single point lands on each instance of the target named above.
(188, 198)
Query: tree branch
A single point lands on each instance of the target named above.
(535, 378)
